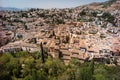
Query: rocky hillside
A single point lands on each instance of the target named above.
(108, 5)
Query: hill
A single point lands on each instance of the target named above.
(9, 9)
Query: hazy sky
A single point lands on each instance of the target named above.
(45, 3)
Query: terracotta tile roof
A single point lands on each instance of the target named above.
(74, 51)
(65, 52)
(66, 57)
(82, 43)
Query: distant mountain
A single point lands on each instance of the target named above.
(9, 9)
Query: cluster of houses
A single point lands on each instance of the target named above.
(66, 43)
(5, 36)
(79, 33)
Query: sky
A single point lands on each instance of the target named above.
(45, 3)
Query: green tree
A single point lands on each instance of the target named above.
(85, 74)
(5, 58)
(108, 17)
(34, 74)
(100, 72)
(92, 66)
(67, 39)
(42, 75)
(54, 67)
(42, 53)
(4, 73)
(108, 61)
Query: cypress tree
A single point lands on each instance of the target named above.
(42, 52)
(92, 66)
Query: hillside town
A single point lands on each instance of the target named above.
(85, 32)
